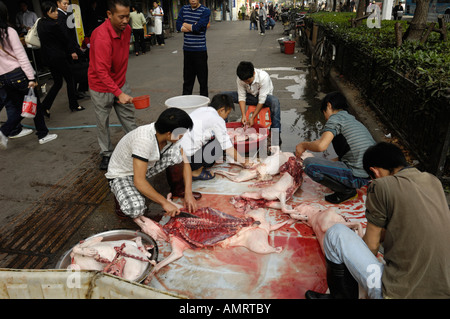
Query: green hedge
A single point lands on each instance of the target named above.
(427, 65)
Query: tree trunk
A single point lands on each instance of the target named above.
(419, 21)
(360, 11)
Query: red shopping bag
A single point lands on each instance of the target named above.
(29, 104)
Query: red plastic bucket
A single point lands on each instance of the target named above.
(289, 47)
(141, 102)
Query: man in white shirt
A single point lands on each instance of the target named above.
(205, 143)
(254, 87)
(145, 152)
(25, 19)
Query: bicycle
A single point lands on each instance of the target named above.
(323, 56)
(303, 37)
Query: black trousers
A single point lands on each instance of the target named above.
(195, 66)
(206, 156)
(60, 69)
(139, 43)
(160, 38)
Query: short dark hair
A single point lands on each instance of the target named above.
(112, 4)
(384, 155)
(245, 70)
(171, 119)
(48, 6)
(337, 101)
(222, 100)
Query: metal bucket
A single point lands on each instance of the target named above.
(118, 234)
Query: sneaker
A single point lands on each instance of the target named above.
(24, 132)
(3, 141)
(338, 198)
(48, 138)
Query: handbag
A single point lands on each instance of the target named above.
(29, 105)
(32, 37)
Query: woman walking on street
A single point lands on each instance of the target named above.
(16, 78)
(137, 25)
(55, 49)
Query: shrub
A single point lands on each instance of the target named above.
(427, 65)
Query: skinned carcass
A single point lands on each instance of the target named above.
(277, 194)
(320, 220)
(264, 170)
(127, 259)
(211, 227)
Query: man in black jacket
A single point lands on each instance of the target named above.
(79, 64)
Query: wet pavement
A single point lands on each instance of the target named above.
(53, 195)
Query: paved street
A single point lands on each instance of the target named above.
(53, 195)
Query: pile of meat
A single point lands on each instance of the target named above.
(242, 134)
(208, 227)
(263, 171)
(276, 194)
(127, 259)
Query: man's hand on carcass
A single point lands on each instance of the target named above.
(244, 121)
(299, 149)
(189, 202)
(170, 209)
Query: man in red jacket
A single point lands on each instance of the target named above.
(107, 82)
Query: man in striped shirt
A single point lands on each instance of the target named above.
(350, 139)
(193, 20)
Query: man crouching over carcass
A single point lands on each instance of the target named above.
(407, 212)
(145, 152)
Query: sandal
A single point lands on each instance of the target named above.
(204, 176)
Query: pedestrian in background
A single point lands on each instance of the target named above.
(262, 16)
(254, 19)
(137, 24)
(25, 18)
(158, 13)
(193, 20)
(16, 78)
(78, 62)
(56, 49)
(109, 52)
(398, 12)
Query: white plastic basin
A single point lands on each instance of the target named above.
(187, 103)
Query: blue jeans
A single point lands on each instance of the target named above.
(10, 111)
(344, 246)
(272, 102)
(253, 25)
(316, 168)
(14, 86)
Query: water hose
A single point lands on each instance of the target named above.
(71, 127)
